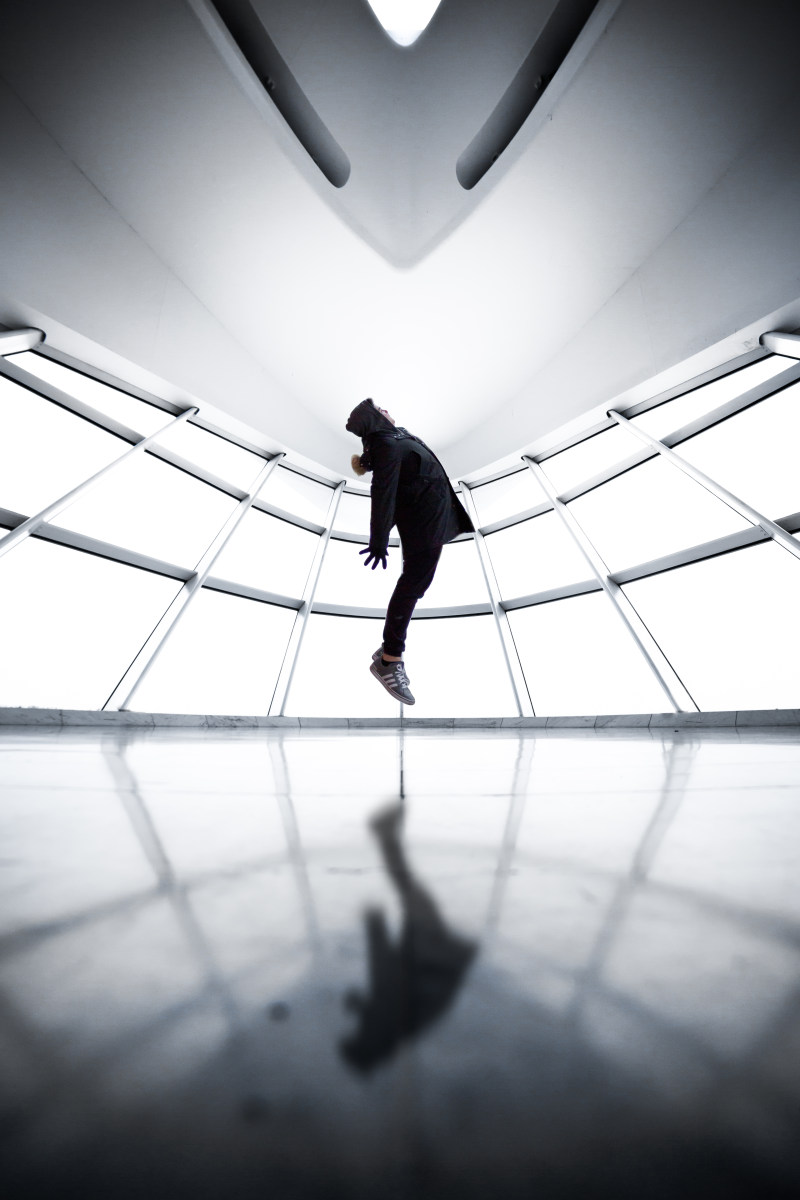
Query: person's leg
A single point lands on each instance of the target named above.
(419, 568)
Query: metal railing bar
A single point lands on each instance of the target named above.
(683, 558)
(480, 609)
(272, 510)
(56, 506)
(713, 417)
(200, 473)
(634, 410)
(558, 593)
(139, 393)
(47, 350)
(214, 584)
(663, 671)
(506, 522)
(516, 674)
(731, 407)
(738, 505)
(48, 391)
(286, 673)
(621, 467)
(100, 549)
(360, 539)
(149, 652)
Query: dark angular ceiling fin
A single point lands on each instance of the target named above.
(283, 89)
(525, 90)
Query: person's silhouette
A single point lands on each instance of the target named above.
(413, 981)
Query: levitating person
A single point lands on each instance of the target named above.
(410, 489)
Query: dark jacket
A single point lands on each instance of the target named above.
(410, 488)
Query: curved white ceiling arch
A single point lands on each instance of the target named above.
(404, 20)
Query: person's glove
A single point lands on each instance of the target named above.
(378, 555)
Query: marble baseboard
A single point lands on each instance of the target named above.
(59, 717)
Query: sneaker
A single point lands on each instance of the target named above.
(393, 677)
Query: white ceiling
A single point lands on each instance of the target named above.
(641, 125)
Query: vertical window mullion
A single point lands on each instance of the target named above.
(513, 665)
(281, 693)
(657, 661)
(123, 692)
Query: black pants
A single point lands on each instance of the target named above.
(419, 568)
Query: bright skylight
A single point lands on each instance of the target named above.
(404, 20)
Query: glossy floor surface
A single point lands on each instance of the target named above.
(328, 963)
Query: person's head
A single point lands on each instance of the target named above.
(368, 418)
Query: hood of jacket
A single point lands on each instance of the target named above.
(366, 419)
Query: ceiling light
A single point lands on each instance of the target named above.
(404, 20)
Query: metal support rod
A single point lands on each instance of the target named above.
(281, 693)
(786, 344)
(510, 655)
(662, 669)
(740, 506)
(46, 514)
(14, 341)
(123, 692)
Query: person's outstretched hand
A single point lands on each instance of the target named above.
(378, 555)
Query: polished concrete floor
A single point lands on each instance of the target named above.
(331, 963)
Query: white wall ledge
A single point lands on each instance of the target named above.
(61, 717)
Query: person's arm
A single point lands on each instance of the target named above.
(386, 460)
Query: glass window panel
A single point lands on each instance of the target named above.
(651, 511)
(685, 409)
(149, 506)
(458, 579)
(345, 645)
(136, 414)
(353, 514)
(46, 451)
(508, 496)
(754, 453)
(590, 457)
(268, 553)
(213, 454)
(534, 556)
(297, 495)
(345, 580)
(223, 656)
(726, 624)
(579, 659)
(78, 622)
(433, 644)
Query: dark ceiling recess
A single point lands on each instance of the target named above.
(283, 89)
(525, 90)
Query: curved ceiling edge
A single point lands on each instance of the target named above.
(525, 90)
(275, 76)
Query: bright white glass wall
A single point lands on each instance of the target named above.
(651, 511)
(223, 657)
(332, 676)
(71, 624)
(578, 658)
(728, 624)
(83, 594)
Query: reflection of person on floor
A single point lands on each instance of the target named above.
(412, 981)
